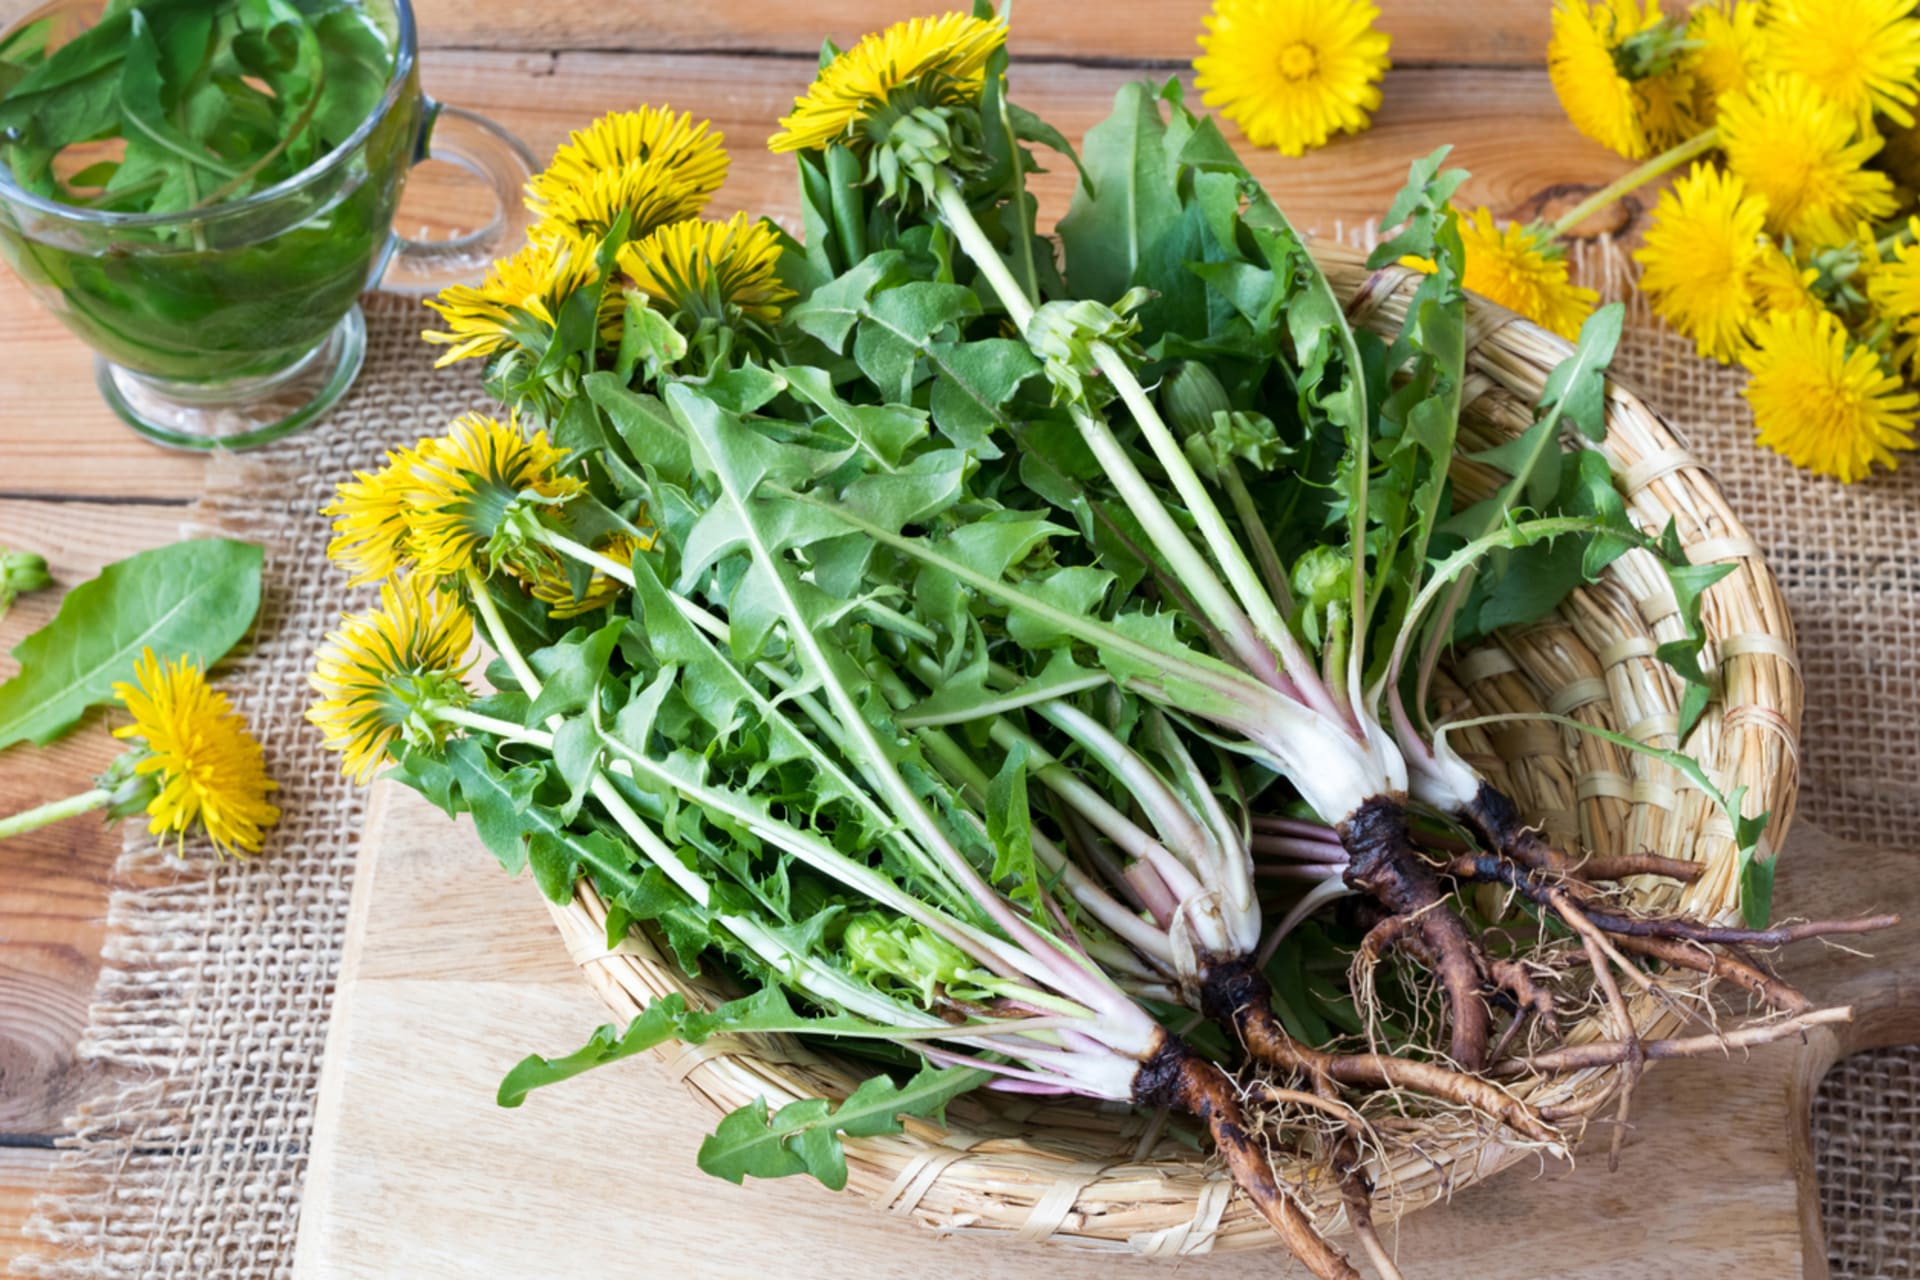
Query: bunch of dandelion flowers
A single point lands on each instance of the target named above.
(194, 766)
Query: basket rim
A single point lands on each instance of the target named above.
(959, 1175)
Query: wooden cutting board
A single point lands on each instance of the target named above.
(453, 972)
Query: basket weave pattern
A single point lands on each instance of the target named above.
(1075, 1172)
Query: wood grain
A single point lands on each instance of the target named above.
(1489, 33)
(23, 1173)
(53, 882)
(59, 438)
(411, 1163)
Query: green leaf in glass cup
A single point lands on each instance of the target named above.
(208, 103)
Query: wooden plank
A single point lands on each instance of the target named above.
(23, 1172)
(60, 439)
(1489, 33)
(53, 910)
(1505, 126)
(410, 1166)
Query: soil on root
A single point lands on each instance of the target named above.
(1383, 864)
(1177, 1078)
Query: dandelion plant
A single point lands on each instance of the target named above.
(998, 651)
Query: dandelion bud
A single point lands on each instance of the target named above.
(21, 572)
(1191, 396)
(880, 947)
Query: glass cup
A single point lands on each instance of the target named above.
(236, 324)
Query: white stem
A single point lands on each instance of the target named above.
(807, 848)
(586, 555)
(821, 981)
(1189, 566)
(683, 877)
(1179, 829)
(497, 632)
(1102, 816)
(1140, 934)
(1068, 972)
(966, 229)
(1233, 869)
(1214, 531)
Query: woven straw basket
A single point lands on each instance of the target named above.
(1074, 1172)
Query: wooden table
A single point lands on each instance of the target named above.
(77, 487)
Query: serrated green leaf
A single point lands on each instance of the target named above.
(974, 383)
(835, 307)
(571, 669)
(499, 801)
(191, 599)
(1010, 831)
(645, 425)
(803, 1136)
(576, 756)
(1577, 388)
(1125, 203)
(885, 432)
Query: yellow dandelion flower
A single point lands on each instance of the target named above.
(649, 163)
(922, 62)
(1863, 55)
(647, 192)
(371, 529)
(208, 769)
(1596, 97)
(1669, 111)
(1780, 284)
(518, 300)
(1806, 156)
(708, 269)
(1292, 73)
(465, 482)
(1519, 268)
(1700, 254)
(1724, 56)
(1614, 67)
(688, 151)
(381, 672)
(552, 587)
(1893, 287)
(1825, 403)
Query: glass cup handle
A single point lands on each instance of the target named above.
(503, 162)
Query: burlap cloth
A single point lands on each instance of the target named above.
(213, 1004)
